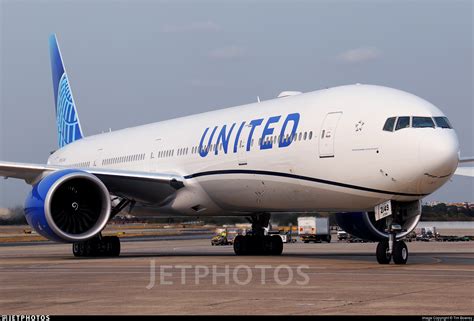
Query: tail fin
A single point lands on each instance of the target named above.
(67, 119)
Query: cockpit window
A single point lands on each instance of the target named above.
(403, 122)
(442, 122)
(389, 123)
(422, 122)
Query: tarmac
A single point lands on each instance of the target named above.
(189, 276)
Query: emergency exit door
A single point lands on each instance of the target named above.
(328, 134)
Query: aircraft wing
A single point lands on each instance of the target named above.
(465, 171)
(30, 173)
(466, 159)
(139, 186)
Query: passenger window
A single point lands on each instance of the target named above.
(305, 135)
(310, 135)
(389, 123)
(423, 122)
(403, 122)
(442, 122)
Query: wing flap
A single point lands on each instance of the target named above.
(152, 188)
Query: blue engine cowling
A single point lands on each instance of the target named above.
(68, 206)
(363, 224)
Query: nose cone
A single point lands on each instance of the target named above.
(439, 156)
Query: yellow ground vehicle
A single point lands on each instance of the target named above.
(220, 239)
(225, 236)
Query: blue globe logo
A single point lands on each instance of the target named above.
(66, 114)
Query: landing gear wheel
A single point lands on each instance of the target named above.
(83, 249)
(400, 253)
(78, 249)
(276, 245)
(383, 254)
(105, 246)
(258, 245)
(240, 247)
(255, 242)
(113, 248)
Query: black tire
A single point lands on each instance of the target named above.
(78, 249)
(382, 253)
(276, 245)
(240, 247)
(328, 239)
(257, 245)
(114, 249)
(400, 253)
(88, 248)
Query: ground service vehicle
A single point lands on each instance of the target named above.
(314, 229)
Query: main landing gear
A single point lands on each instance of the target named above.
(97, 246)
(101, 246)
(256, 242)
(391, 248)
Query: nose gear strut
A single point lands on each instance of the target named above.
(392, 248)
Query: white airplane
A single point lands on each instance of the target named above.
(368, 153)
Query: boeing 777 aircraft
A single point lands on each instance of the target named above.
(367, 153)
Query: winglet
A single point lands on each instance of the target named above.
(67, 119)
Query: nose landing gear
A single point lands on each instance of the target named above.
(391, 248)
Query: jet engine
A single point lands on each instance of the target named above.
(68, 206)
(365, 226)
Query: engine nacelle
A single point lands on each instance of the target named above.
(68, 206)
(363, 224)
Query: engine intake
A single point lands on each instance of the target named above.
(364, 226)
(68, 206)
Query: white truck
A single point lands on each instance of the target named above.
(314, 229)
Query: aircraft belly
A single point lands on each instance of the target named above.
(250, 193)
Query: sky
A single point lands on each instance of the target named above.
(134, 62)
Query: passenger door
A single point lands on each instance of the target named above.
(242, 152)
(328, 134)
